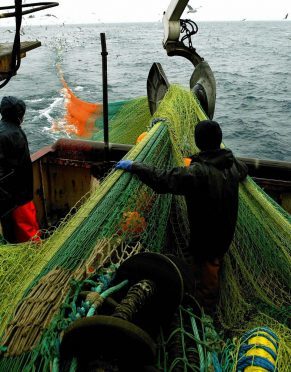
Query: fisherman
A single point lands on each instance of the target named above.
(210, 186)
(17, 211)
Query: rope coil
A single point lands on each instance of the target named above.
(190, 28)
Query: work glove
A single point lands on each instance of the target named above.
(124, 164)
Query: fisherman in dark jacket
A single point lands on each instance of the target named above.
(210, 186)
(16, 179)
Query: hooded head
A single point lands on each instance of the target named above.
(12, 109)
(208, 135)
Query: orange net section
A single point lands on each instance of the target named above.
(80, 116)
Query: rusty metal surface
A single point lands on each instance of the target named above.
(43, 152)
(83, 150)
(6, 55)
(268, 169)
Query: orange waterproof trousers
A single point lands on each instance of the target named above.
(20, 225)
(207, 284)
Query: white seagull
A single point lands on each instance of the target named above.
(50, 15)
(192, 10)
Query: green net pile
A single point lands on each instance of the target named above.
(40, 282)
(128, 121)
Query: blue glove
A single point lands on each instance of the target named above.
(124, 164)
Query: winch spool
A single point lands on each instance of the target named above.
(156, 284)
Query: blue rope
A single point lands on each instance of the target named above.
(262, 329)
(215, 362)
(257, 361)
(116, 288)
(105, 281)
(256, 332)
(248, 361)
(107, 293)
(155, 121)
(244, 348)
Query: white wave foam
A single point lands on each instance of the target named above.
(58, 102)
(55, 134)
(34, 100)
(79, 88)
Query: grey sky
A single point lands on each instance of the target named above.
(83, 11)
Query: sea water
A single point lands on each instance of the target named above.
(251, 62)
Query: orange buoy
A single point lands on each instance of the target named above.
(133, 223)
(187, 161)
(141, 137)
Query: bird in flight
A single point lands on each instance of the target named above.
(50, 15)
(286, 16)
(192, 10)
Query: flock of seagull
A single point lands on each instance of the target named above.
(190, 10)
(194, 10)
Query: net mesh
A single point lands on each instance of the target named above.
(40, 282)
(85, 119)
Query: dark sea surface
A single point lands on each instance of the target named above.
(250, 60)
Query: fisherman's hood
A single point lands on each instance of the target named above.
(221, 158)
(12, 108)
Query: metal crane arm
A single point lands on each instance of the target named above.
(171, 21)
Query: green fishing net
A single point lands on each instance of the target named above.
(40, 282)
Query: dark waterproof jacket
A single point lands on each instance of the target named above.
(16, 180)
(210, 186)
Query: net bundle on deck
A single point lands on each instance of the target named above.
(40, 282)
